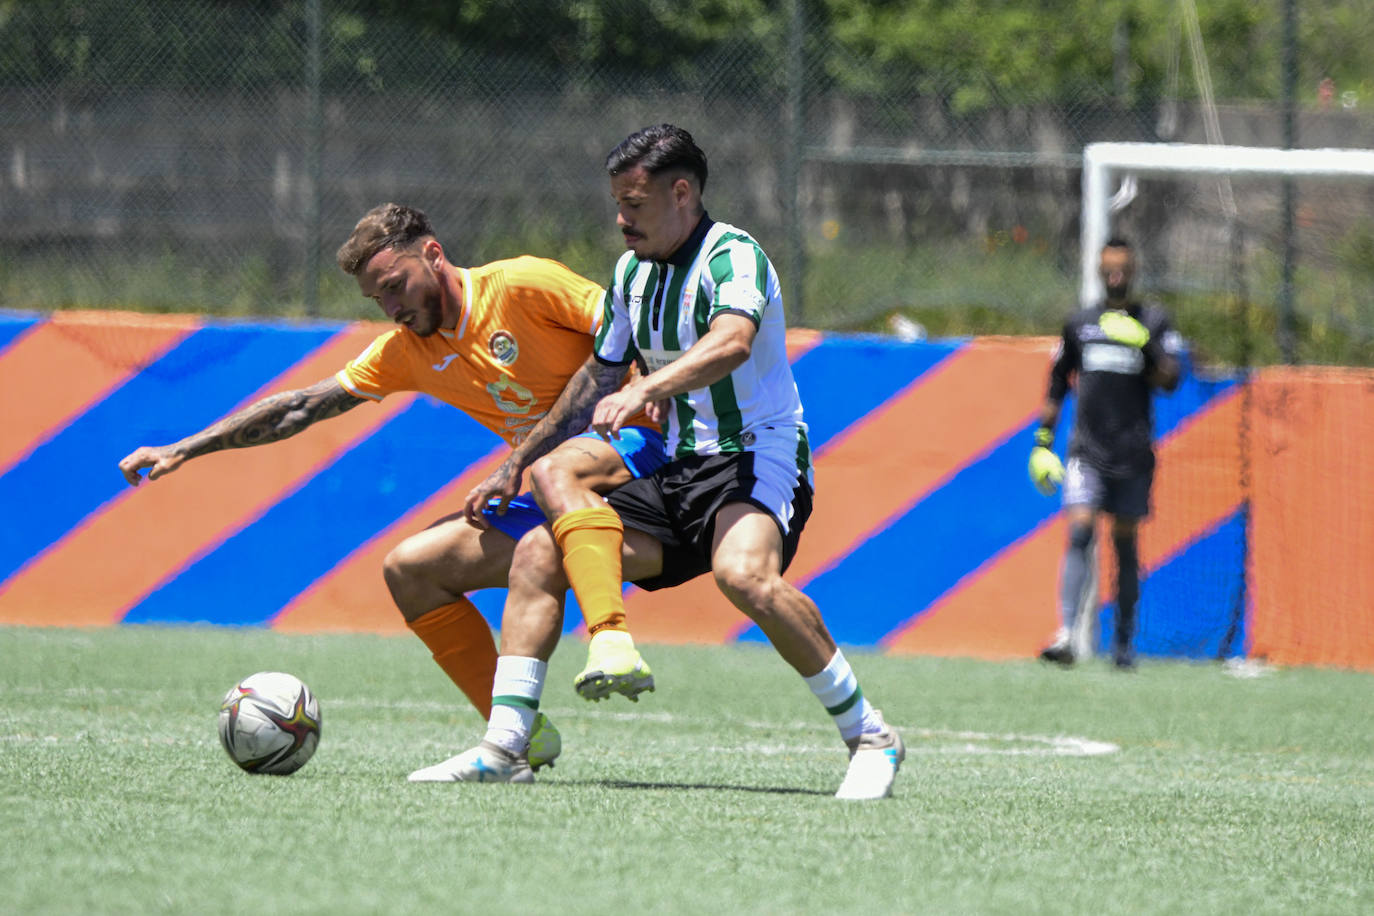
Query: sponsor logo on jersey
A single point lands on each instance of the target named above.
(503, 347)
(442, 364)
(520, 429)
(1111, 357)
(511, 396)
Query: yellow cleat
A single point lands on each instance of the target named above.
(545, 743)
(613, 666)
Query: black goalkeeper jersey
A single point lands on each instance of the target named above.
(1114, 426)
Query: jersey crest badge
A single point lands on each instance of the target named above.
(503, 347)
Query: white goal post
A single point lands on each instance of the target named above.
(1103, 163)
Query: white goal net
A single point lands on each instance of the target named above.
(1281, 239)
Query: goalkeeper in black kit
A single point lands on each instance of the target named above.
(1114, 355)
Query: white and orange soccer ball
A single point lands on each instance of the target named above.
(269, 722)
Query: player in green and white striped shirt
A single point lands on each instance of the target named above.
(657, 310)
(698, 305)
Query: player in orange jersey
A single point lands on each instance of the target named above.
(499, 342)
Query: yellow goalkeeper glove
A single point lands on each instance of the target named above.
(1046, 470)
(1122, 328)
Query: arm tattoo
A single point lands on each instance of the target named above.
(573, 410)
(276, 417)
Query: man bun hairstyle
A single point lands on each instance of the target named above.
(386, 226)
(657, 149)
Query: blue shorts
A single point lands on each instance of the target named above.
(642, 449)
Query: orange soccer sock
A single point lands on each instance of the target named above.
(591, 540)
(460, 640)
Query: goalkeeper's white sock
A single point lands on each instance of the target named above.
(1073, 577)
(838, 690)
(515, 693)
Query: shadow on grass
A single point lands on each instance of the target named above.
(684, 786)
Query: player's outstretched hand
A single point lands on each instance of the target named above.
(502, 484)
(1122, 328)
(159, 460)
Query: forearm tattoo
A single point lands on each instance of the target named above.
(573, 410)
(276, 417)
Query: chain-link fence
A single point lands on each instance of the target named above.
(194, 155)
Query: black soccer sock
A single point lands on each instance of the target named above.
(1127, 592)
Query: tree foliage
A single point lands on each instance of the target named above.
(972, 51)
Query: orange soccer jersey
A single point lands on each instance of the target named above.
(527, 326)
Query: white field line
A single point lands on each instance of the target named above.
(928, 741)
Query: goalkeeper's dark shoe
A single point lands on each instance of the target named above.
(1124, 660)
(1060, 651)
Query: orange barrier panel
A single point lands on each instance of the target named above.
(875, 472)
(1004, 609)
(106, 565)
(799, 341)
(1312, 530)
(353, 597)
(1008, 607)
(96, 352)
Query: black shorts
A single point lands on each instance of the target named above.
(677, 505)
(1123, 497)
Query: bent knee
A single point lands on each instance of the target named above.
(401, 564)
(421, 571)
(546, 478)
(580, 464)
(747, 585)
(537, 558)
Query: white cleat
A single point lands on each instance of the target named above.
(484, 763)
(874, 760)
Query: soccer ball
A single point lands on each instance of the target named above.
(269, 722)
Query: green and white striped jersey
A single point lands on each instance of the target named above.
(658, 309)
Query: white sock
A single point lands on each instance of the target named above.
(838, 690)
(515, 693)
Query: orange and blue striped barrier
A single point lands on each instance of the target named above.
(926, 536)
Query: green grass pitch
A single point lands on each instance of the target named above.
(1027, 789)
